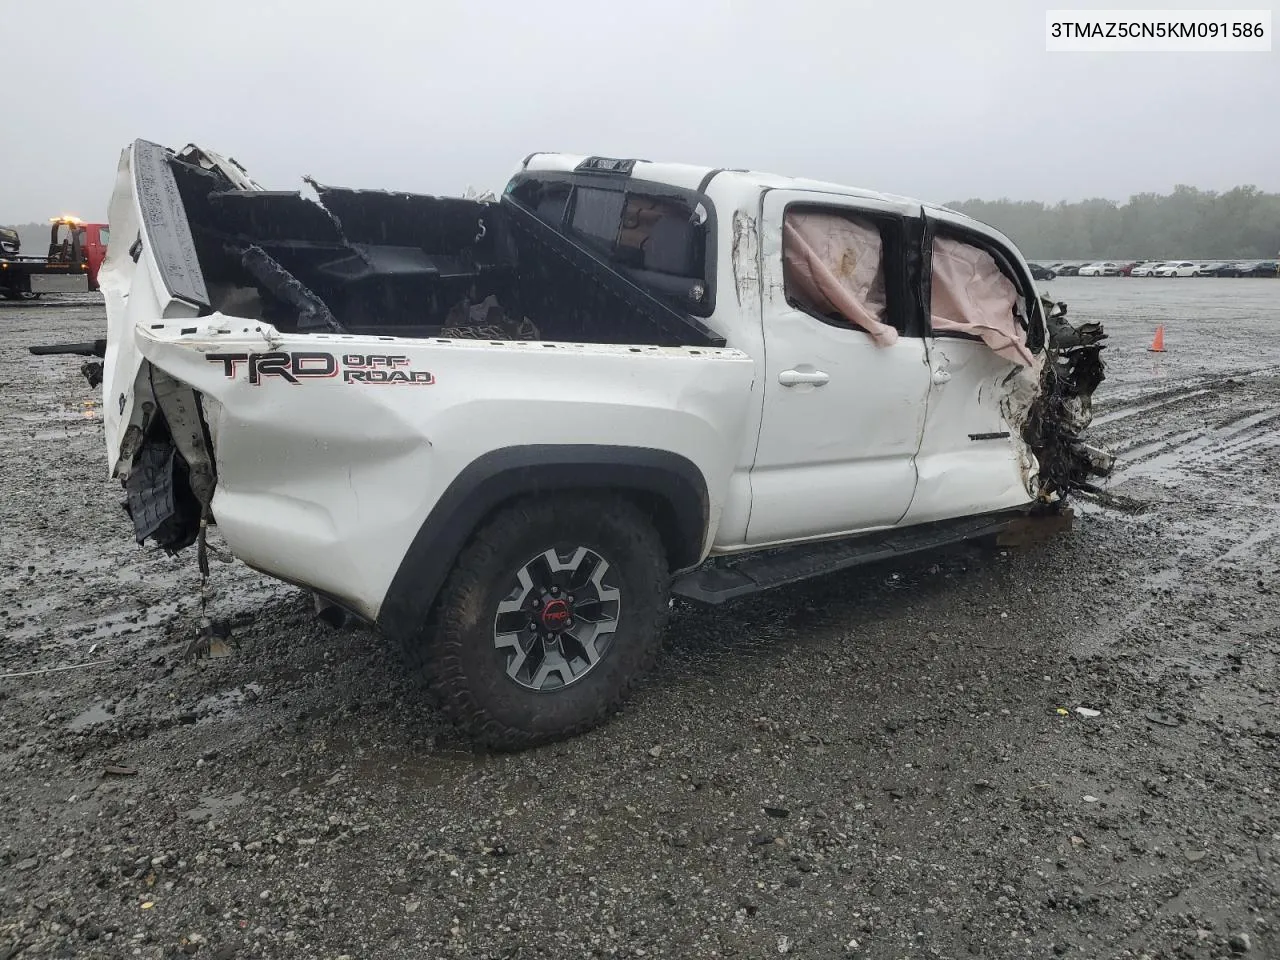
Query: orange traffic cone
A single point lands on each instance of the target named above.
(1157, 345)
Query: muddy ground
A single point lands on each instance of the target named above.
(885, 763)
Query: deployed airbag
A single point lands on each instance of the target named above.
(970, 295)
(835, 265)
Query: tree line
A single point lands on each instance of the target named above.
(1243, 223)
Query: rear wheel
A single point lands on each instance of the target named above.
(553, 612)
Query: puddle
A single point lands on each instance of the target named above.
(64, 415)
(99, 629)
(224, 700)
(68, 431)
(88, 718)
(211, 806)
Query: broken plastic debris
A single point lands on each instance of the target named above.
(1090, 798)
(1088, 712)
(1063, 712)
(116, 770)
(148, 905)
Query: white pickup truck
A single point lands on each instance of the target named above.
(507, 431)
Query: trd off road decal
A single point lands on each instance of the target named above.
(300, 366)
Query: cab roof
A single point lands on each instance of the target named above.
(695, 177)
(691, 176)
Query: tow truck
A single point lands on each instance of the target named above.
(76, 251)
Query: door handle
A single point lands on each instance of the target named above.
(792, 378)
(941, 376)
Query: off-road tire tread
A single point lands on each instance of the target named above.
(435, 655)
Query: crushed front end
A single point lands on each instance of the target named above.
(1062, 410)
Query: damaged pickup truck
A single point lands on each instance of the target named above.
(508, 430)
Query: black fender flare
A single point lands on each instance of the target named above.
(671, 485)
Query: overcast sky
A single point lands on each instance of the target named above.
(938, 100)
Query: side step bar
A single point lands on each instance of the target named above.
(727, 578)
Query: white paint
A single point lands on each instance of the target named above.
(838, 456)
(325, 482)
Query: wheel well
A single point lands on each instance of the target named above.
(680, 548)
(668, 488)
(682, 551)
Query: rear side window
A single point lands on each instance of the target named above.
(596, 216)
(657, 235)
(659, 241)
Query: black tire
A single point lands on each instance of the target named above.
(1051, 276)
(458, 657)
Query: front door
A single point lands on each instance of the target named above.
(843, 410)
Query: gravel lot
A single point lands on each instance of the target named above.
(886, 763)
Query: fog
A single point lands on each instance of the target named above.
(934, 100)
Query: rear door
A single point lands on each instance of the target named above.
(842, 412)
(972, 458)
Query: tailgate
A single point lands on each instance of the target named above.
(150, 274)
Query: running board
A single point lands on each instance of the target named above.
(727, 578)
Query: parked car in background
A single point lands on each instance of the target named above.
(1071, 269)
(1103, 268)
(1262, 268)
(1179, 268)
(1216, 268)
(1039, 272)
(1147, 269)
(1126, 267)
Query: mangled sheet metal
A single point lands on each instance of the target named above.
(1063, 408)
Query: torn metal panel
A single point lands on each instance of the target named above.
(394, 219)
(160, 500)
(1063, 408)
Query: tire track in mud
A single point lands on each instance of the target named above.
(1211, 538)
(1202, 448)
(1139, 399)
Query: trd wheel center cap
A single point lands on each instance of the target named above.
(555, 615)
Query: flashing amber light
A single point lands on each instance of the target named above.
(69, 219)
